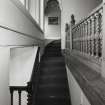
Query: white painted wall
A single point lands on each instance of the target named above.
(14, 16)
(17, 28)
(76, 93)
(34, 9)
(42, 14)
(53, 31)
(22, 1)
(21, 65)
(8, 37)
(4, 76)
(80, 8)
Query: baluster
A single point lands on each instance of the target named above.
(72, 32)
(87, 38)
(84, 38)
(103, 40)
(78, 36)
(29, 90)
(82, 35)
(75, 40)
(81, 38)
(11, 92)
(90, 35)
(99, 35)
(19, 92)
(89, 29)
(94, 39)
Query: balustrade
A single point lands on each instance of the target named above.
(19, 89)
(87, 35)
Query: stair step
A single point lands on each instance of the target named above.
(53, 100)
(50, 85)
(53, 91)
(52, 62)
(53, 59)
(53, 50)
(53, 80)
(45, 77)
(49, 71)
(58, 68)
(49, 65)
(51, 55)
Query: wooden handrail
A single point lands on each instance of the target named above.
(16, 88)
(89, 15)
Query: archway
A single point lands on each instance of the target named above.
(52, 15)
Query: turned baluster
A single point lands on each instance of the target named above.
(99, 34)
(19, 92)
(84, 37)
(11, 92)
(87, 37)
(90, 40)
(29, 90)
(92, 36)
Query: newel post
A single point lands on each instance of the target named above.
(72, 23)
(103, 46)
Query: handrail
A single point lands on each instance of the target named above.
(90, 14)
(31, 87)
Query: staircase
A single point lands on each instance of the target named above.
(53, 85)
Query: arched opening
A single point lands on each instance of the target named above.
(52, 15)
